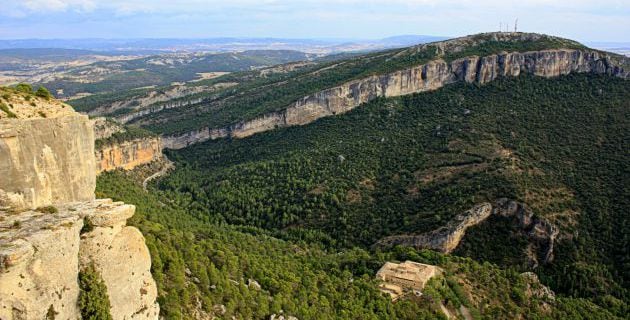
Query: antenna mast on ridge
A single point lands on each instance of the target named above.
(516, 25)
(500, 26)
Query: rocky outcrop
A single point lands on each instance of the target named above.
(127, 117)
(448, 237)
(105, 128)
(41, 254)
(49, 163)
(430, 76)
(46, 161)
(122, 153)
(128, 154)
(120, 255)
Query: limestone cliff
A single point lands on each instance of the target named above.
(46, 161)
(48, 164)
(430, 76)
(128, 154)
(41, 254)
(117, 148)
(448, 237)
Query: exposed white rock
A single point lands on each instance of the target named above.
(430, 76)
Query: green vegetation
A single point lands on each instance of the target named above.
(93, 298)
(255, 98)
(130, 133)
(6, 110)
(200, 265)
(24, 88)
(163, 70)
(43, 93)
(410, 164)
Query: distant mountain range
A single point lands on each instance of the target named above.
(154, 46)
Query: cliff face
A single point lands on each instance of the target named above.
(41, 255)
(50, 162)
(430, 76)
(445, 239)
(124, 154)
(46, 161)
(128, 155)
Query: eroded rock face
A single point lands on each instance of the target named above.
(426, 77)
(49, 163)
(46, 161)
(448, 237)
(121, 256)
(128, 155)
(41, 255)
(39, 265)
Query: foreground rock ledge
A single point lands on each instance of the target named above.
(41, 255)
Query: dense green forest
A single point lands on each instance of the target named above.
(204, 268)
(409, 164)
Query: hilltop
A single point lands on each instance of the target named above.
(24, 103)
(257, 101)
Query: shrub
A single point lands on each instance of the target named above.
(24, 87)
(6, 110)
(93, 299)
(43, 93)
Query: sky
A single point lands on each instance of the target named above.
(583, 20)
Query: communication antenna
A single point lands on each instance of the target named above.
(500, 26)
(516, 25)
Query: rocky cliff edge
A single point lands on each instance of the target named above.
(51, 227)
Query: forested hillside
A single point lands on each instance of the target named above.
(204, 269)
(409, 164)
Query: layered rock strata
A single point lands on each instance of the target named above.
(41, 255)
(48, 164)
(430, 76)
(128, 154)
(448, 237)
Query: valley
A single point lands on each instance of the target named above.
(278, 184)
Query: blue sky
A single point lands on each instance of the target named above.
(602, 20)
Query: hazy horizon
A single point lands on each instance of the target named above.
(606, 20)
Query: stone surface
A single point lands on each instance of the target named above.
(39, 265)
(120, 255)
(50, 162)
(105, 128)
(430, 76)
(448, 237)
(40, 259)
(29, 106)
(128, 154)
(46, 161)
